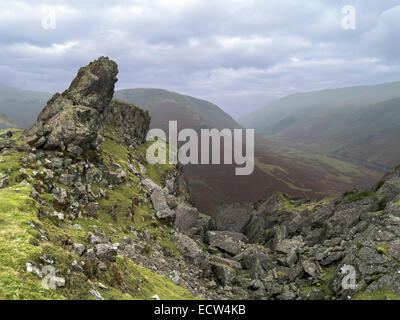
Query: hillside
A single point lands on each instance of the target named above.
(85, 217)
(164, 105)
(276, 168)
(23, 106)
(356, 124)
(6, 122)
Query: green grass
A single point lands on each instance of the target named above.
(382, 249)
(361, 196)
(381, 294)
(325, 282)
(17, 247)
(19, 242)
(156, 172)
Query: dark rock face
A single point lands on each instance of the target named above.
(93, 87)
(71, 121)
(232, 217)
(5, 141)
(75, 129)
(296, 249)
(390, 184)
(130, 123)
(186, 217)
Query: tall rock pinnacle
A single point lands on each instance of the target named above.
(71, 121)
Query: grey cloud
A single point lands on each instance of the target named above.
(239, 54)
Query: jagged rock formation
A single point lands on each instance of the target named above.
(296, 249)
(71, 120)
(92, 204)
(129, 122)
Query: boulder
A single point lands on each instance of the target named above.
(150, 184)
(189, 249)
(229, 262)
(78, 248)
(172, 201)
(232, 217)
(254, 254)
(287, 246)
(311, 268)
(3, 181)
(160, 204)
(186, 217)
(225, 274)
(223, 241)
(106, 252)
(315, 236)
(71, 121)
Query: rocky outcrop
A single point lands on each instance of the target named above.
(286, 248)
(129, 123)
(5, 140)
(71, 121)
(160, 204)
(74, 122)
(232, 217)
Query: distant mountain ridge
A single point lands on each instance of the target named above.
(277, 168)
(358, 124)
(193, 111)
(23, 106)
(6, 123)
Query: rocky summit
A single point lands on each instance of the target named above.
(71, 121)
(84, 216)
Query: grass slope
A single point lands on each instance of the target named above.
(21, 240)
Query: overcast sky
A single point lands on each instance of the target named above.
(239, 54)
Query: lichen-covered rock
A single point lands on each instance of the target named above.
(224, 273)
(232, 217)
(224, 242)
(160, 204)
(75, 127)
(190, 249)
(106, 252)
(130, 123)
(186, 217)
(94, 84)
(71, 121)
(3, 181)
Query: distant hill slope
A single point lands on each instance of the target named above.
(277, 168)
(23, 106)
(6, 123)
(357, 124)
(164, 105)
